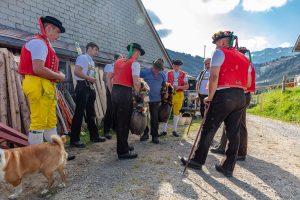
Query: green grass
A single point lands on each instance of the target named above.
(278, 105)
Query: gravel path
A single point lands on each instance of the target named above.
(271, 171)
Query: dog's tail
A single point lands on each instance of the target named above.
(59, 140)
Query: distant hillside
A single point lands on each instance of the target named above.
(271, 72)
(269, 54)
(191, 64)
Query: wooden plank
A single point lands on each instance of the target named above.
(72, 67)
(15, 92)
(103, 91)
(10, 89)
(13, 139)
(98, 96)
(3, 91)
(12, 131)
(25, 112)
(98, 109)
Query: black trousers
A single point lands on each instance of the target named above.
(85, 101)
(122, 107)
(108, 119)
(153, 108)
(228, 106)
(243, 131)
(202, 104)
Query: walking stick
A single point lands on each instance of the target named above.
(197, 138)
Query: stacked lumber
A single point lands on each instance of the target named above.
(100, 103)
(11, 136)
(14, 108)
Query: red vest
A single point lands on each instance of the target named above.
(234, 70)
(123, 72)
(180, 78)
(51, 61)
(252, 88)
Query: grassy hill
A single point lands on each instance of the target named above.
(280, 106)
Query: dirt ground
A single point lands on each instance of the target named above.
(271, 170)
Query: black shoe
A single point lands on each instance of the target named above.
(130, 148)
(162, 134)
(144, 137)
(223, 171)
(99, 139)
(218, 150)
(175, 134)
(127, 156)
(108, 136)
(70, 157)
(77, 144)
(241, 158)
(192, 164)
(155, 140)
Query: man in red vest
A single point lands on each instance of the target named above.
(243, 132)
(178, 79)
(126, 76)
(39, 65)
(229, 78)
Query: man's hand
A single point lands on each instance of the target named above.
(92, 79)
(61, 76)
(207, 100)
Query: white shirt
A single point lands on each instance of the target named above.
(109, 68)
(38, 49)
(135, 68)
(87, 64)
(203, 85)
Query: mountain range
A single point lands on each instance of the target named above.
(270, 64)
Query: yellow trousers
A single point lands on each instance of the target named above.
(177, 102)
(41, 95)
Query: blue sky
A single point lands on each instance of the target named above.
(187, 25)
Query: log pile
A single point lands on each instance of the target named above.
(14, 106)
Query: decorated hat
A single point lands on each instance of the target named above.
(243, 50)
(136, 46)
(177, 62)
(159, 63)
(54, 21)
(220, 35)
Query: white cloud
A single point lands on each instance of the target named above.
(285, 44)
(262, 5)
(255, 43)
(211, 6)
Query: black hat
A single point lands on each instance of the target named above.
(54, 21)
(177, 62)
(243, 50)
(220, 35)
(136, 46)
(159, 63)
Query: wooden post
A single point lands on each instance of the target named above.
(261, 102)
(283, 83)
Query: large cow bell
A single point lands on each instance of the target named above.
(138, 122)
(164, 112)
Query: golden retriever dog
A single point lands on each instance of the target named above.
(45, 157)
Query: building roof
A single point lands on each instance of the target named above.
(297, 45)
(112, 25)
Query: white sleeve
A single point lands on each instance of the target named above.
(249, 69)
(136, 68)
(82, 61)
(217, 58)
(38, 49)
(185, 79)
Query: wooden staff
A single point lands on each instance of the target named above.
(3, 90)
(197, 138)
